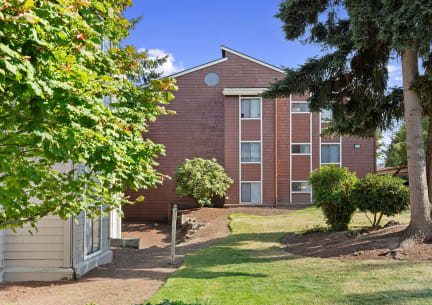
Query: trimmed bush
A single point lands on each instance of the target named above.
(380, 195)
(332, 188)
(203, 180)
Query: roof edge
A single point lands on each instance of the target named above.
(226, 49)
(208, 64)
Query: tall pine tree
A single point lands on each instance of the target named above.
(361, 36)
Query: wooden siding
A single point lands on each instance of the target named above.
(42, 248)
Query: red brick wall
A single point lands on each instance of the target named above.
(283, 145)
(251, 130)
(300, 128)
(198, 129)
(251, 172)
(231, 152)
(361, 160)
(268, 149)
(206, 124)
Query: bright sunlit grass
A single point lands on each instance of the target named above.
(249, 267)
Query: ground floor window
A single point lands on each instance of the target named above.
(300, 187)
(251, 192)
(330, 153)
(92, 234)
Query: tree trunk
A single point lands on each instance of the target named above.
(429, 155)
(420, 226)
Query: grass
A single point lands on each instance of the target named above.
(249, 267)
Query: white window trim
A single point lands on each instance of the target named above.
(249, 98)
(310, 143)
(340, 152)
(251, 162)
(302, 154)
(298, 102)
(303, 181)
(250, 202)
(325, 120)
(90, 255)
(261, 146)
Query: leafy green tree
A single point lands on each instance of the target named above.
(381, 196)
(55, 83)
(203, 180)
(351, 79)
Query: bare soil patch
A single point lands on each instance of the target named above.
(369, 245)
(135, 274)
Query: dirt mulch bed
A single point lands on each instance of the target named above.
(135, 274)
(370, 245)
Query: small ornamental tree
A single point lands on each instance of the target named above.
(332, 187)
(203, 180)
(380, 195)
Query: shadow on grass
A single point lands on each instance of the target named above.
(195, 273)
(413, 296)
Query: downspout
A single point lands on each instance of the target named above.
(276, 154)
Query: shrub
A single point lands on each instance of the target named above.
(202, 180)
(380, 195)
(332, 188)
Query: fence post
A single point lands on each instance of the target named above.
(173, 232)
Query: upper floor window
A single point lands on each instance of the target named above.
(326, 115)
(299, 107)
(250, 108)
(251, 152)
(330, 153)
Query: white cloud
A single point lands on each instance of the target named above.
(393, 69)
(395, 75)
(170, 66)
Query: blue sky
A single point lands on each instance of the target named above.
(190, 32)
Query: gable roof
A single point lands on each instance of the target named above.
(226, 49)
(224, 58)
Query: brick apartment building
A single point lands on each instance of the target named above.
(268, 146)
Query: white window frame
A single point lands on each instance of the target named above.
(301, 154)
(299, 102)
(240, 119)
(251, 182)
(297, 192)
(325, 120)
(251, 162)
(340, 154)
(251, 98)
(90, 255)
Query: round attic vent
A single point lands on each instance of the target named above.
(211, 79)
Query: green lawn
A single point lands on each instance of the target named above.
(249, 267)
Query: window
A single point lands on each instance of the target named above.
(326, 115)
(92, 233)
(330, 153)
(251, 152)
(301, 187)
(251, 192)
(250, 108)
(300, 148)
(300, 107)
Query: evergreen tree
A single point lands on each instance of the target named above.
(361, 36)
